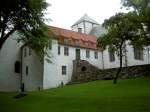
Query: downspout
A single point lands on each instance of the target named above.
(42, 64)
(21, 69)
(148, 55)
(126, 59)
(102, 60)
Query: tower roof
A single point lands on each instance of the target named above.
(85, 18)
(98, 31)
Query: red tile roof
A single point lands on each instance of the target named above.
(86, 41)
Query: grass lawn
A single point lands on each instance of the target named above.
(99, 96)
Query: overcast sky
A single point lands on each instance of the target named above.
(65, 13)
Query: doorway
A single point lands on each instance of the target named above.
(77, 54)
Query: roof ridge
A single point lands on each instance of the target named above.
(73, 31)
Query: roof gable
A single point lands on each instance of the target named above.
(85, 18)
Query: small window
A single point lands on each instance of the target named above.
(25, 52)
(30, 51)
(80, 30)
(96, 55)
(87, 54)
(111, 55)
(77, 42)
(138, 53)
(17, 67)
(66, 51)
(58, 50)
(67, 41)
(50, 44)
(27, 70)
(64, 70)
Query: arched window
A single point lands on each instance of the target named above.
(17, 67)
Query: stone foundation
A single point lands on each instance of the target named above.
(83, 71)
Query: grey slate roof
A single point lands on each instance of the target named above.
(85, 18)
(98, 31)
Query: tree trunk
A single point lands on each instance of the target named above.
(120, 68)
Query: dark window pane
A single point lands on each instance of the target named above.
(27, 70)
(138, 53)
(64, 70)
(87, 54)
(58, 50)
(96, 55)
(66, 51)
(17, 67)
(111, 55)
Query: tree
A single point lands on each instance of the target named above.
(142, 10)
(25, 17)
(120, 29)
(138, 5)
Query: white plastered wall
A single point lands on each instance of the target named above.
(9, 54)
(34, 79)
(131, 61)
(53, 71)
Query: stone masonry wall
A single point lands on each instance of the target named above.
(83, 71)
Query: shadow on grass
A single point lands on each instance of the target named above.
(20, 95)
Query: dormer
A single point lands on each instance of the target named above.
(84, 25)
